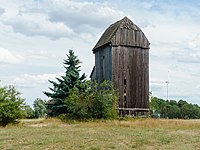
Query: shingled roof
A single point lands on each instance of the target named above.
(123, 32)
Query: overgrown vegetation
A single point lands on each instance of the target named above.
(94, 101)
(74, 97)
(11, 105)
(173, 109)
(38, 111)
(61, 88)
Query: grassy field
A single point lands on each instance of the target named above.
(141, 134)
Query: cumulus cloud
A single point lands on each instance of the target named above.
(77, 14)
(30, 81)
(39, 55)
(85, 18)
(57, 19)
(38, 25)
(7, 57)
(1, 11)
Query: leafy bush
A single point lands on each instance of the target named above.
(11, 105)
(105, 100)
(92, 102)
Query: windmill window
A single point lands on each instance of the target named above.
(124, 81)
(125, 102)
(125, 98)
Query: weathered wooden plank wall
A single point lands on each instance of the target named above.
(103, 64)
(131, 64)
(128, 37)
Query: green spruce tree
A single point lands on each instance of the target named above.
(61, 88)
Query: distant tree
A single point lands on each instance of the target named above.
(39, 108)
(172, 111)
(173, 102)
(29, 112)
(11, 105)
(181, 103)
(189, 111)
(196, 111)
(61, 88)
(154, 104)
(161, 107)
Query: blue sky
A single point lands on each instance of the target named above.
(35, 36)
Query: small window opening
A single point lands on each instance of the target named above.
(124, 98)
(124, 81)
(125, 103)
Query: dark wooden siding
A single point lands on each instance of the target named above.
(93, 74)
(128, 37)
(131, 76)
(103, 64)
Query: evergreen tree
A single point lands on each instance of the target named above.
(61, 88)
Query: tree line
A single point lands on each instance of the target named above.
(173, 109)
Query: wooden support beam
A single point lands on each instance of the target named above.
(133, 109)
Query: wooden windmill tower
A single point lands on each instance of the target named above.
(122, 56)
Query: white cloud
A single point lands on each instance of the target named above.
(7, 57)
(76, 13)
(30, 81)
(58, 19)
(38, 25)
(32, 55)
(1, 11)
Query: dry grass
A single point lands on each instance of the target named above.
(132, 134)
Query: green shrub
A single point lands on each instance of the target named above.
(11, 105)
(93, 102)
(104, 103)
